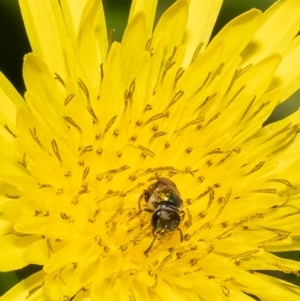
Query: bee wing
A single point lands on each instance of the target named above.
(168, 183)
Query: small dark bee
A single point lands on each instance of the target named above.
(163, 199)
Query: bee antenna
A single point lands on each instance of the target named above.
(181, 236)
(151, 245)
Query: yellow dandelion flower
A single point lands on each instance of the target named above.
(141, 170)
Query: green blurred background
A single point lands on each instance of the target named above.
(14, 45)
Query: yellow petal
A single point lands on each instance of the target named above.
(280, 24)
(243, 27)
(37, 252)
(9, 98)
(258, 78)
(39, 81)
(287, 75)
(148, 8)
(5, 226)
(281, 290)
(10, 159)
(87, 44)
(30, 289)
(12, 248)
(170, 28)
(132, 47)
(201, 20)
(72, 10)
(46, 31)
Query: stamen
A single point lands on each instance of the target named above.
(73, 123)
(92, 113)
(215, 151)
(280, 235)
(34, 290)
(41, 186)
(236, 75)
(94, 216)
(203, 84)
(142, 172)
(68, 174)
(49, 247)
(227, 233)
(138, 123)
(256, 168)
(85, 173)
(131, 89)
(23, 163)
(109, 125)
(63, 215)
(35, 137)
(116, 133)
(225, 290)
(266, 190)
(85, 90)
(248, 108)
(68, 99)
(188, 150)
(154, 128)
(169, 63)
(133, 138)
(207, 99)
(55, 150)
(297, 212)
(86, 149)
(178, 75)
(223, 205)
(148, 45)
(154, 275)
(146, 151)
(196, 53)
(249, 218)
(175, 98)
(99, 151)
(156, 117)
(235, 96)
(216, 72)
(9, 130)
(193, 122)
(262, 106)
(213, 118)
(156, 135)
(14, 197)
(244, 255)
(111, 39)
(211, 194)
(58, 77)
(128, 94)
(101, 175)
(101, 73)
(148, 108)
(189, 221)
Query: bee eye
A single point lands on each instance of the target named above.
(147, 195)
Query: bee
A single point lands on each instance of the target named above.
(164, 201)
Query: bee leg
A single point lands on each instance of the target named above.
(139, 212)
(182, 212)
(143, 195)
(134, 215)
(151, 245)
(181, 236)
